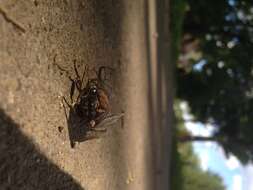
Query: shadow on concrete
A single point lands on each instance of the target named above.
(23, 167)
(76, 128)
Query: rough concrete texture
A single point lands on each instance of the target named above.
(35, 37)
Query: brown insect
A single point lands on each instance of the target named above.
(90, 112)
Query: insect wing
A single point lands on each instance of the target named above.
(110, 120)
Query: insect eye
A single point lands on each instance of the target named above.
(93, 90)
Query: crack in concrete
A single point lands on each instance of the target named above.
(10, 20)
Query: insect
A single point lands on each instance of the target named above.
(90, 112)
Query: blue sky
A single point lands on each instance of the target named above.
(235, 176)
(212, 158)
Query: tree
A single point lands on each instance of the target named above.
(194, 178)
(221, 89)
(186, 171)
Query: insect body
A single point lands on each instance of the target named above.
(93, 103)
(90, 112)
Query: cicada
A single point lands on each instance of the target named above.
(90, 112)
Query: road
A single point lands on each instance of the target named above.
(129, 36)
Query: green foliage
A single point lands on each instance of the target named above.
(200, 11)
(186, 173)
(221, 90)
(176, 168)
(194, 177)
(178, 8)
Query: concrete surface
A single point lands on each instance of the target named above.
(35, 36)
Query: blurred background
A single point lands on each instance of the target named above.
(212, 50)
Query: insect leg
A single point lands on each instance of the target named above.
(75, 84)
(69, 121)
(72, 89)
(72, 143)
(65, 101)
(99, 130)
(85, 71)
(78, 78)
(75, 68)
